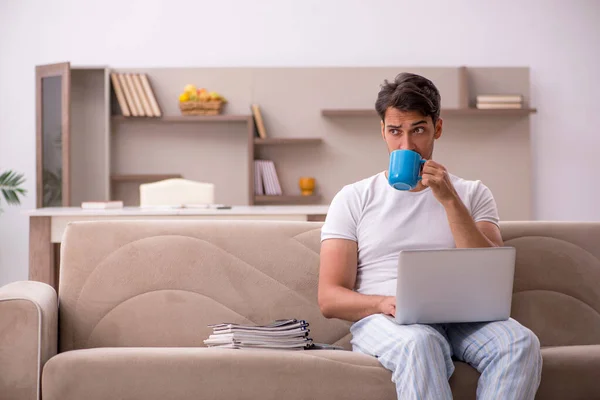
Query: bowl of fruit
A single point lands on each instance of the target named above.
(200, 101)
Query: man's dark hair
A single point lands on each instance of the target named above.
(409, 92)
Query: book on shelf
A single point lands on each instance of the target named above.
(258, 121)
(258, 181)
(134, 94)
(499, 106)
(286, 334)
(499, 102)
(116, 84)
(500, 98)
(266, 181)
(128, 95)
(137, 82)
(150, 94)
(101, 205)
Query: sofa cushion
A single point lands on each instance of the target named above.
(209, 373)
(570, 372)
(463, 381)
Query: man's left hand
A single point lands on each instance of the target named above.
(437, 178)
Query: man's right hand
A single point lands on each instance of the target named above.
(387, 306)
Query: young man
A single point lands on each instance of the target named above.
(367, 225)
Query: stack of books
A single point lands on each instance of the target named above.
(499, 101)
(288, 334)
(135, 95)
(266, 181)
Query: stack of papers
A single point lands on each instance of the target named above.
(288, 334)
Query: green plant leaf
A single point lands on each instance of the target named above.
(10, 182)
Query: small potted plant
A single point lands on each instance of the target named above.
(11, 187)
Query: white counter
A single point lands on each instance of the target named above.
(60, 217)
(172, 211)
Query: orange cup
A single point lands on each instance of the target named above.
(307, 185)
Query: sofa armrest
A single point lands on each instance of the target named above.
(28, 336)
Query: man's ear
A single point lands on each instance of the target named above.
(438, 128)
(383, 130)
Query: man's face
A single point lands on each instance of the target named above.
(410, 130)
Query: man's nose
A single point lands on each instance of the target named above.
(406, 143)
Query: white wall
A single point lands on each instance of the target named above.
(558, 40)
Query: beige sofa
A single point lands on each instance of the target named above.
(136, 298)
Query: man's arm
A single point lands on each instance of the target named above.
(466, 232)
(337, 278)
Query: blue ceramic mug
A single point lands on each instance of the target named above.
(405, 169)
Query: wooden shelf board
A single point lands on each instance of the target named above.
(283, 141)
(89, 67)
(348, 112)
(287, 199)
(183, 118)
(143, 177)
(359, 112)
(481, 112)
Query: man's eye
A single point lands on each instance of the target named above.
(394, 131)
(418, 130)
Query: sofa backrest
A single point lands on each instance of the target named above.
(161, 283)
(556, 290)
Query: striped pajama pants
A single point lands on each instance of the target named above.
(420, 356)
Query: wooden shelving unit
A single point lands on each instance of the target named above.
(187, 119)
(448, 112)
(243, 119)
(108, 154)
(287, 199)
(254, 142)
(286, 141)
(143, 177)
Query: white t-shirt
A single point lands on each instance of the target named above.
(383, 221)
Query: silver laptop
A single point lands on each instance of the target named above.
(454, 285)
